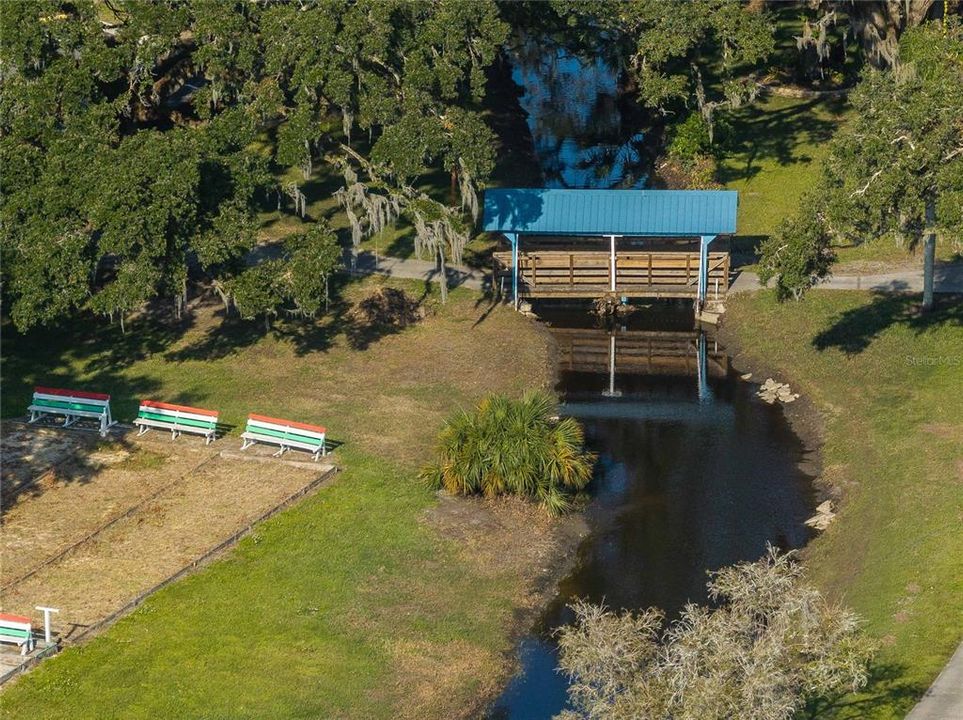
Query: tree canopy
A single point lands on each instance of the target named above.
(894, 170)
(768, 643)
(127, 131)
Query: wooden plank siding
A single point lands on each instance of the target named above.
(567, 273)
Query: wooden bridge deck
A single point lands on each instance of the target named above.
(588, 274)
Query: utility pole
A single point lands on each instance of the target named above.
(929, 256)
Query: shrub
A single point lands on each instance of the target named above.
(798, 255)
(689, 139)
(767, 646)
(518, 447)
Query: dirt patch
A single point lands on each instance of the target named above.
(36, 455)
(430, 671)
(945, 431)
(387, 306)
(145, 511)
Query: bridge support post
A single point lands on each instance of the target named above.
(612, 263)
(513, 239)
(704, 242)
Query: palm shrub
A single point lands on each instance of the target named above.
(511, 446)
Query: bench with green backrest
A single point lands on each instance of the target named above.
(177, 419)
(72, 404)
(16, 629)
(285, 433)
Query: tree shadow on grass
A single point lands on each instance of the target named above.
(885, 690)
(233, 334)
(777, 134)
(854, 330)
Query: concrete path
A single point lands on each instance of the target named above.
(411, 269)
(948, 279)
(944, 699)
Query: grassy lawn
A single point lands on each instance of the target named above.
(889, 386)
(772, 158)
(348, 605)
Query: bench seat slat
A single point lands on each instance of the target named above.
(269, 421)
(64, 404)
(290, 442)
(184, 420)
(71, 393)
(282, 435)
(156, 405)
(163, 425)
(65, 411)
(14, 632)
(15, 619)
(81, 398)
(289, 429)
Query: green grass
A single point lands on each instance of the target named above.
(773, 155)
(889, 384)
(348, 605)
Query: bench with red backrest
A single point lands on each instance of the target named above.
(72, 404)
(16, 629)
(285, 433)
(177, 419)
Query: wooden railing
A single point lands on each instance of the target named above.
(563, 273)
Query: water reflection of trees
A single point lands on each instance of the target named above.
(574, 106)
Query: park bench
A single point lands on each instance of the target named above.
(16, 629)
(73, 404)
(177, 419)
(285, 433)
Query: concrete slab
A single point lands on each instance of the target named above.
(944, 699)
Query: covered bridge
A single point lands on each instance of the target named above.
(622, 243)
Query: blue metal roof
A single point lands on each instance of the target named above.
(658, 213)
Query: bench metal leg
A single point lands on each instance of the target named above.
(281, 452)
(143, 430)
(70, 420)
(246, 444)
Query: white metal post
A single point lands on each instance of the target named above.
(514, 239)
(46, 621)
(703, 285)
(612, 262)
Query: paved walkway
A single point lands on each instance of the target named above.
(944, 699)
(948, 279)
(411, 269)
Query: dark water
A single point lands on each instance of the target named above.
(693, 475)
